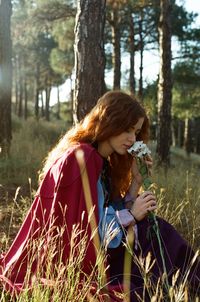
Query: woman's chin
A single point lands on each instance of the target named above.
(121, 151)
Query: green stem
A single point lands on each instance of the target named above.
(143, 169)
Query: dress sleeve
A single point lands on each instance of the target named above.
(110, 230)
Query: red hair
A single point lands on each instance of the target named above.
(114, 113)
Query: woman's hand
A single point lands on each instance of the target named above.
(143, 204)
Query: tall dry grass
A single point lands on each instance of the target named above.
(178, 194)
(63, 283)
(60, 281)
(30, 143)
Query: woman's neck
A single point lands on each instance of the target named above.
(104, 149)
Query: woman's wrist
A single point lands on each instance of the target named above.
(131, 212)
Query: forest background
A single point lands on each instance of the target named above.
(46, 43)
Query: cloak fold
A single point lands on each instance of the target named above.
(58, 206)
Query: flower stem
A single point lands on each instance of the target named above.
(147, 183)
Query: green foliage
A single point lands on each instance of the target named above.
(185, 92)
(150, 99)
(39, 57)
(65, 112)
(181, 21)
(62, 57)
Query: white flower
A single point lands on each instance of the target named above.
(139, 149)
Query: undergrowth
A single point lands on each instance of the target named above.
(178, 195)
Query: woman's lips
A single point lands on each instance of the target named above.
(127, 146)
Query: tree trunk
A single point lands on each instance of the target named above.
(25, 100)
(174, 137)
(16, 82)
(164, 84)
(37, 91)
(41, 97)
(116, 57)
(180, 134)
(132, 54)
(5, 77)
(197, 132)
(141, 42)
(187, 136)
(21, 88)
(58, 103)
(47, 95)
(89, 56)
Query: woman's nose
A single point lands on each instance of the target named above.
(132, 138)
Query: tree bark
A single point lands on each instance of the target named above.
(21, 88)
(141, 42)
(47, 95)
(37, 90)
(25, 100)
(180, 134)
(197, 137)
(187, 136)
(116, 56)
(164, 84)
(58, 103)
(16, 82)
(41, 97)
(89, 56)
(5, 77)
(132, 54)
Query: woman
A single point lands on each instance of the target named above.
(91, 170)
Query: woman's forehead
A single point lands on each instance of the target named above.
(137, 123)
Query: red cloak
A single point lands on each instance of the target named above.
(59, 202)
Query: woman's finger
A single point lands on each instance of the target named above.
(151, 202)
(146, 193)
(148, 197)
(151, 208)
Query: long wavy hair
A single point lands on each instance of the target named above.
(114, 113)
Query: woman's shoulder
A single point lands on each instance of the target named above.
(67, 169)
(87, 149)
(78, 157)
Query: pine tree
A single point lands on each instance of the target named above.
(164, 84)
(89, 55)
(5, 77)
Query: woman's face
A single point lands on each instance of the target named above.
(122, 142)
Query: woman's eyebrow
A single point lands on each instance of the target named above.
(133, 127)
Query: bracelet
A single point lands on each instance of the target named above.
(136, 221)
